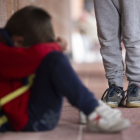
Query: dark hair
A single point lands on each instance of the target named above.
(33, 24)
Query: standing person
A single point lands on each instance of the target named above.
(119, 20)
(28, 46)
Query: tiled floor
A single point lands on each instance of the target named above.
(69, 129)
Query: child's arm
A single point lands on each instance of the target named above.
(20, 62)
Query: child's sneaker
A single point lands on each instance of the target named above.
(114, 95)
(82, 118)
(133, 96)
(106, 119)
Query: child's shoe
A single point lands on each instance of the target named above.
(114, 96)
(82, 118)
(133, 96)
(106, 119)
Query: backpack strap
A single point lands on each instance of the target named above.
(13, 95)
(3, 120)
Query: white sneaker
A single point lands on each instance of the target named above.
(82, 118)
(106, 119)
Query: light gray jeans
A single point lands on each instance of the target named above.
(116, 20)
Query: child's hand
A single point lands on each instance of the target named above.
(62, 43)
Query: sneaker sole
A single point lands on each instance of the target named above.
(123, 125)
(119, 127)
(112, 104)
(133, 104)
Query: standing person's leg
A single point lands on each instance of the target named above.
(109, 34)
(130, 13)
(55, 78)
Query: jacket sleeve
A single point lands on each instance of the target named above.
(18, 63)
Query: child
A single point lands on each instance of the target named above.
(116, 20)
(38, 108)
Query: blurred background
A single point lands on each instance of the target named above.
(72, 19)
(85, 45)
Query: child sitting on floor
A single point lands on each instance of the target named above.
(28, 46)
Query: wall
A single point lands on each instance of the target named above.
(76, 9)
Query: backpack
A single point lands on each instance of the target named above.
(4, 124)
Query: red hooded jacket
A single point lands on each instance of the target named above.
(16, 64)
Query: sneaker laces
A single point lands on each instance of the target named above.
(133, 92)
(110, 89)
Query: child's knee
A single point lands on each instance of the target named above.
(54, 58)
